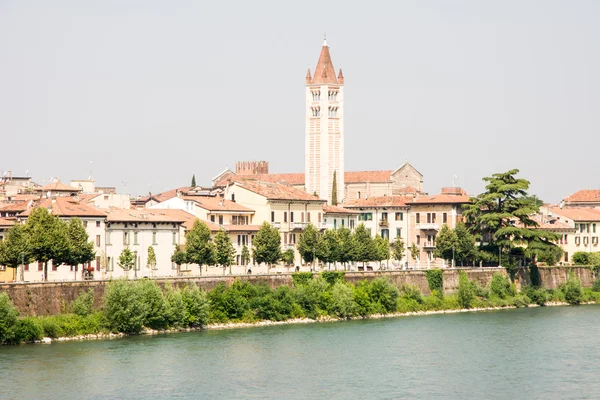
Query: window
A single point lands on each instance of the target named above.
(445, 218)
(107, 238)
(212, 218)
(585, 241)
(342, 222)
(292, 238)
(285, 238)
(418, 240)
(174, 237)
(272, 216)
(97, 263)
(399, 216)
(307, 217)
(577, 240)
(398, 232)
(302, 217)
(242, 240)
(154, 238)
(351, 224)
(97, 224)
(40, 266)
(233, 197)
(125, 238)
(433, 217)
(358, 195)
(84, 224)
(566, 257)
(334, 223)
(26, 267)
(135, 238)
(220, 220)
(418, 218)
(106, 197)
(595, 240)
(291, 216)
(384, 216)
(593, 228)
(98, 240)
(385, 233)
(365, 217)
(111, 263)
(428, 218)
(319, 217)
(285, 216)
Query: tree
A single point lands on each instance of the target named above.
(334, 199)
(414, 252)
(502, 217)
(193, 180)
(383, 249)
(179, 257)
(328, 247)
(551, 256)
(466, 250)
(446, 243)
(224, 251)
(81, 250)
(364, 248)
(48, 239)
(126, 260)
(198, 248)
(307, 243)
(151, 263)
(266, 247)
(14, 249)
(398, 249)
(245, 255)
(345, 243)
(288, 257)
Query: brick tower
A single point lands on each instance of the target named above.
(324, 145)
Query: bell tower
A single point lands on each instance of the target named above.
(324, 144)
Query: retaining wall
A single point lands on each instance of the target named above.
(55, 297)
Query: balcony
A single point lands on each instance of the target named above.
(429, 246)
(427, 226)
(384, 222)
(276, 225)
(322, 226)
(298, 225)
(289, 246)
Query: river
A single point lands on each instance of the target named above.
(535, 353)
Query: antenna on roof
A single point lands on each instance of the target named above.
(454, 178)
(90, 177)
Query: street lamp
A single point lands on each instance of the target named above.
(22, 267)
(135, 264)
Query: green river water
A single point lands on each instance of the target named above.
(535, 353)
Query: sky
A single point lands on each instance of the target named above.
(146, 93)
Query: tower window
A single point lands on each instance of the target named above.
(316, 96)
(316, 111)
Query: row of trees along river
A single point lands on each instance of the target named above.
(499, 228)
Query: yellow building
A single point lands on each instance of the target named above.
(7, 274)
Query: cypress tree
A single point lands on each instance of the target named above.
(194, 180)
(334, 199)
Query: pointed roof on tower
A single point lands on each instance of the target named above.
(340, 77)
(308, 77)
(324, 72)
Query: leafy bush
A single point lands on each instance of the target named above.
(27, 329)
(480, 291)
(152, 296)
(581, 258)
(124, 306)
(362, 299)
(8, 318)
(384, 294)
(572, 290)
(175, 308)
(465, 294)
(521, 301)
(196, 306)
(537, 295)
(501, 287)
(342, 301)
(411, 292)
(313, 297)
(82, 305)
(435, 280)
(596, 286)
(332, 277)
(301, 278)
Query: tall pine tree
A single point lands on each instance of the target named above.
(334, 194)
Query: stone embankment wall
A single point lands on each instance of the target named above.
(55, 297)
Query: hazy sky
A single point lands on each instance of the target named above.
(151, 92)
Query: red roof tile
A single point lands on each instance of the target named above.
(276, 191)
(66, 207)
(214, 203)
(338, 210)
(4, 222)
(367, 176)
(14, 207)
(58, 187)
(578, 214)
(379, 201)
(442, 199)
(583, 196)
(324, 72)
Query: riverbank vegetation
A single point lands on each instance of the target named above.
(131, 307)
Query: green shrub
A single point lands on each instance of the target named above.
(28, 329)
(572, 290)
(342, 301)
(465, 294)
(83, 304)
(435, 280)
(175, 308)
(537, 295)
(152, 296)
(411, 292)
(124, 306)
(196, 306)
(332, 277)
(301, 278)
(501, 287)
(581, 258)
(8, 318)
(384, 294)
(313, 297)
(596, 286)
(480, 291)
(274, 305)
(362, 300)
(521, 301)
(51, 328)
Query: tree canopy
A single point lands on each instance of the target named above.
(308, 243)
(266, 246)
(198, 248)
(224, 251)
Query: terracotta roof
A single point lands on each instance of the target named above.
(379, 201)
(367, 176)
(24, 197)
(338, 210)
(58, 187)
(213, 203)
(86, 198)
(324, 72)
(66, 207)
(169, 194)
(18, 207)
(578, 214)
(6, 222)
(442, 199)
(584, 196)
(276, 191)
